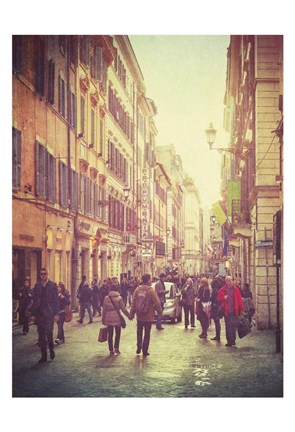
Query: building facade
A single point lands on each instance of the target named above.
(253, 117)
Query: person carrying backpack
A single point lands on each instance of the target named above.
(145, 303)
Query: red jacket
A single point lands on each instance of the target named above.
(238, 302)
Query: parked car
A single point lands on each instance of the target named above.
(172, 310)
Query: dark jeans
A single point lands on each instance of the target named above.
(230, 327)
(204, 320)
(146, 327)
(189, 312)
(85, 306)
(217, 327)
(60, 326)
(159, 318)
(24, 320)
(117, 337)
(45, 324)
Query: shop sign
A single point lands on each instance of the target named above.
(26, 237)
(145, 205)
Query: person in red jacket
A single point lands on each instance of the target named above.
(229, 296)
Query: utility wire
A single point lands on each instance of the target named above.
(266, 151)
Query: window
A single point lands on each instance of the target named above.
(61, 96)
(17, 53)
(85, 50)
(63, 184)
(82, 100)
(74, 197)
(16, 158)
(73, 50)
(50, 87)
(45, 173)
(73, 110)
(40, 67)
(93, 128)
(101, 137)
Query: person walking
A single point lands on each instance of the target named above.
(112, 305)
(247, 298)
(124, 290)
(145, 303)
(203, 296)
(44, 312)
(86, 301)
(79, 292)
(230, 298)
(64, 301)
(188, 301)
(216, 284)
(25, 299)
(161, 291)
(95, 298)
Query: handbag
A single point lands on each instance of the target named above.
(122, 319)
(243, 326)
(103, 334)
(68, 314)
(207, 308)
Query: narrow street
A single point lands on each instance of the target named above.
(180, 365)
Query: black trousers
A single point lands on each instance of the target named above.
(189, 312)
(143, 335)
(117, 337)
(217, 327)
(45, 323)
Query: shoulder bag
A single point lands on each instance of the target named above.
(122, 319)
(103, 334)
(68, 314)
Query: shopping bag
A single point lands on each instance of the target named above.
(244, 327)
(103, 334)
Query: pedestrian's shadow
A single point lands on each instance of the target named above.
(140, 362)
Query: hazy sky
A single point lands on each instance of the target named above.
(185, 76)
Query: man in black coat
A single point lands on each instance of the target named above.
(161, 291)
(86, 298)
(44, 312)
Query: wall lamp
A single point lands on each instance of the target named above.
(126, 191)
(211, 135)
(168, 231)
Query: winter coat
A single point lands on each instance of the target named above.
(238, 303)
(110, 316)
(160, 289)
(188, 295)
(216, 284)
(63, 301)
(154, 304)
(86, 294)
(25, 299)
(51, 304)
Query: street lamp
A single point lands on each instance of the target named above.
(211, 135)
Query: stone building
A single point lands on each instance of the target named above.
(253, 115)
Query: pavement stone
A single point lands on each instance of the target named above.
(180, 365)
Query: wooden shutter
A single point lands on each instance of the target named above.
(74, 198)
(99, 63)
(17, 53)
(50, 87)
(51, 178)
(16, 159)
(40, 67)
(63, 184)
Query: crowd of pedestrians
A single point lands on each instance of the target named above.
(201, 297)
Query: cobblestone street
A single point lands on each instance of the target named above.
(180, 365)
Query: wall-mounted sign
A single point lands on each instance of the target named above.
(145, 205)
(26, 237)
